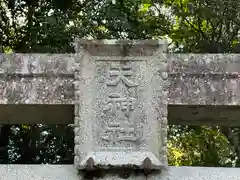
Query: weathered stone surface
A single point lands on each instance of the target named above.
(36, 79)
(206, 90)
(121, 95)
(212, 79)
(195, 79)
(111, 48)
(64, 114)
(39, 90)
(36, 64)
(205, 79)
(200, 64)
(38, 172)
(68, 172)
(36, 114)
(200, 115)
(121, 110)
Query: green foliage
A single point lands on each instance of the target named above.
(205, 26)
(36, 144)
(199, 146)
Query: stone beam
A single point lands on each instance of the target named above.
(64, 114)
(206, 87)
(195, 79)
(204, 79)
(200, 115)
(36, 78)
(199, 84)
(68, 172)
(211, 79)
(36, 114)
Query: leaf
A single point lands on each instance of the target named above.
(145, 7)
(26, 127)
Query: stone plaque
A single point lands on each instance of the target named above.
(121, 92)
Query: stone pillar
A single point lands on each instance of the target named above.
(121, 93)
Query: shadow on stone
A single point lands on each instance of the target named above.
(122, 172)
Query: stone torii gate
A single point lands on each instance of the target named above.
(120, 94)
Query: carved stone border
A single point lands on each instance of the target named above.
(154, 97)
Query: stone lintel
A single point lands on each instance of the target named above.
(195, 79)
(204, 79)
(200, 115)
(121, 104)
(203, 64)
(39, 90)
(121, 48)
(36, 78)
(36, 114)
(196, 86)
(64, 114)
(35, 65)
(68, 172)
